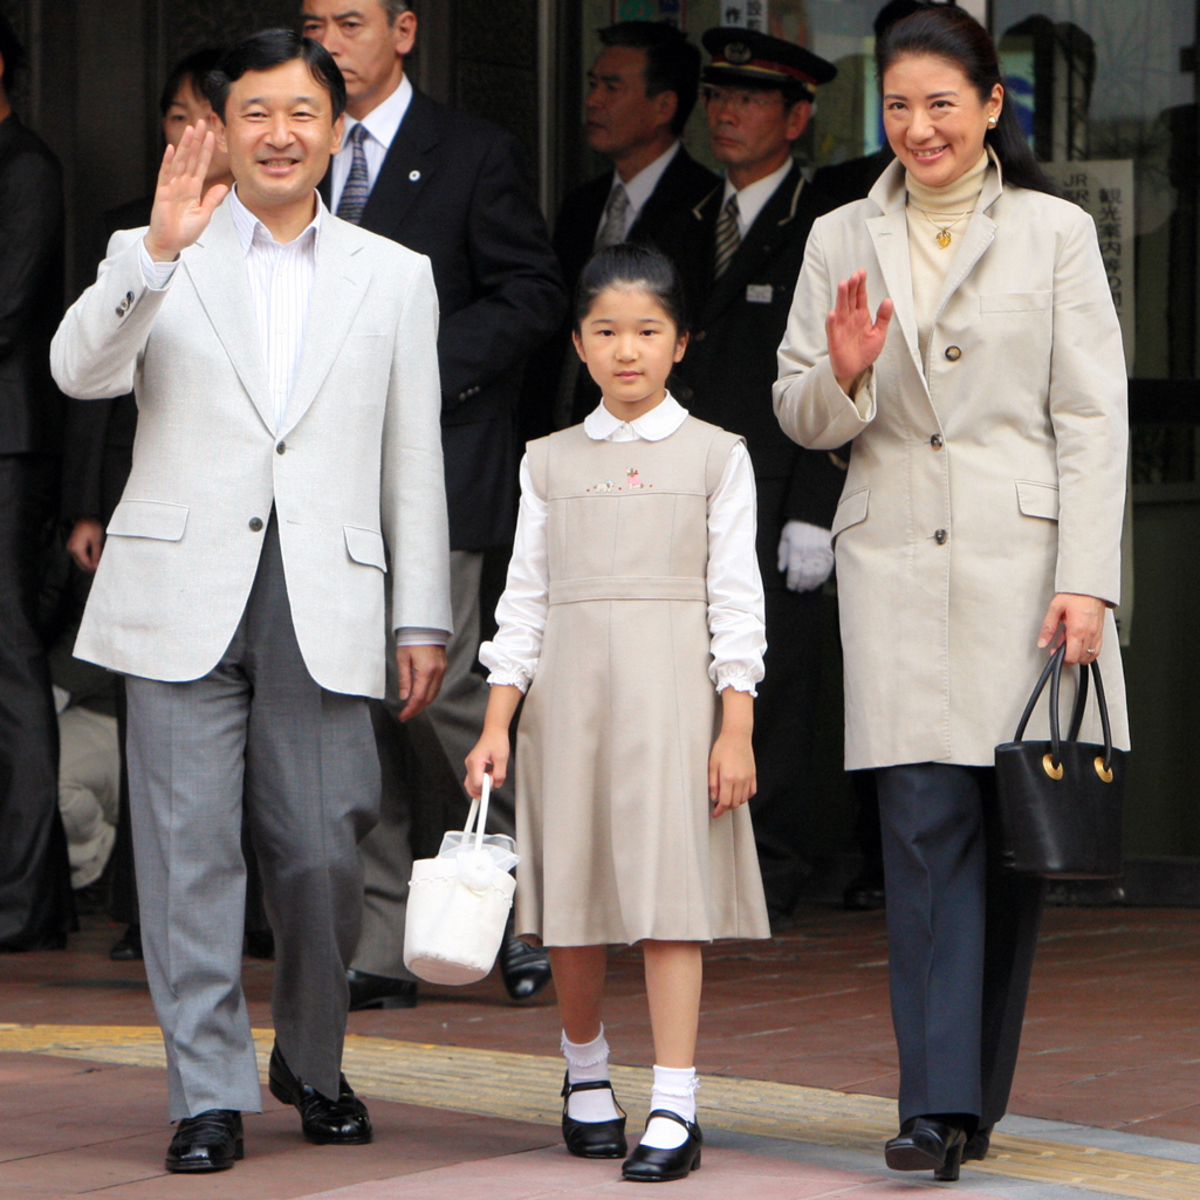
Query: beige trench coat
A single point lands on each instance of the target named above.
(979, 487)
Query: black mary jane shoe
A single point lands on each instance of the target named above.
(926, 1144)
(978, 1144)
(209, 1141)
(649, 1164)
(128, 947)
(325, 1122)
(593, 1139)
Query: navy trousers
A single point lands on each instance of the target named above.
(962, 931)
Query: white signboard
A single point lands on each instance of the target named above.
(746, 14)
(1104, 189)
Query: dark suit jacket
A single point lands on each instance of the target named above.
(453, 187)
(98, 438)
(843, 183)
(31, 290)
(684, 183)
(730, 366)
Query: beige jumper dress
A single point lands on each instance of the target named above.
(614, 822)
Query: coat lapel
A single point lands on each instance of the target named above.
(339, 286)
(407, 168)
(889, 236)
(217, 268)
(977, 237)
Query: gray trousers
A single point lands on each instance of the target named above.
(423, 768)
(962, 930)
(256, 730)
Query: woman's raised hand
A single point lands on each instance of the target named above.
(182, 208)
(855, 341)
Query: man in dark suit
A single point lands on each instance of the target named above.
(740, 250)
(36, 908)
(452, 187)
(641, 91)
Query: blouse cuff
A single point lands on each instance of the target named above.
(740, 681)
(510, 678)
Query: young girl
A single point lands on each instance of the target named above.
(632, 591)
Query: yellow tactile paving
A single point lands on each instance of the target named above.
(525, 1087)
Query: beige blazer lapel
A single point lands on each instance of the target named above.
(889, 237)
(339, 286)
(978, 236)
(216, 266)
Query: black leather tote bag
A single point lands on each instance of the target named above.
(1061, 801)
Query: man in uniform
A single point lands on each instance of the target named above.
(740, 250)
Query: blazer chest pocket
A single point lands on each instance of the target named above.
(1037, 499)
(365, 546)
(851, 510)
(1015, 302)
(149, 519)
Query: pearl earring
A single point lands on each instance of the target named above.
(991, 122)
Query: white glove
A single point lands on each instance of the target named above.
(806, 554)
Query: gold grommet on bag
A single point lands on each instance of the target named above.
(1104, 772)
(1050, 769)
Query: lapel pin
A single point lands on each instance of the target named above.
(413, 176)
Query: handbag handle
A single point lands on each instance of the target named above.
(1053, 672)
(479, 807)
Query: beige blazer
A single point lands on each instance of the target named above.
(355, 467)
(979, 486)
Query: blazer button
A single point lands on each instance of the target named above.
(937, 441)
(120, 310)
(255, 524)
(953, 353)
(281, 448)
(940, 537)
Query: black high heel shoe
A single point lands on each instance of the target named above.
(650, 1164)
(593, 1139)
(925, 1144)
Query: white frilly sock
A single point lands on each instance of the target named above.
(674, 1090)
(586, 1064)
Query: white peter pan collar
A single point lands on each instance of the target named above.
(660, 422)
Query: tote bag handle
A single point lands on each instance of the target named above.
(479, 807)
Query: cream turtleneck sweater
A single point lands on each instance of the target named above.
(930, 262)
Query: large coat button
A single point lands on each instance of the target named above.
(937, 441)
(255, 524)
(281, 448)
(940, 537)
(953, 353)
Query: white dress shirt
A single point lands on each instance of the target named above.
(381, 124)
(752, 197)
(639, 189)
(735, 591)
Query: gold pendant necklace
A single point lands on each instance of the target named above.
(943, 236)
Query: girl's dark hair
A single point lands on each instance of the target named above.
(952, 34)
(632, 264)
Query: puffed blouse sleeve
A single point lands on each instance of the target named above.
(735, 589)
(512, 656)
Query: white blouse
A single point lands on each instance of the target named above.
(735, 591)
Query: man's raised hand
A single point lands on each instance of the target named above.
(182, 208)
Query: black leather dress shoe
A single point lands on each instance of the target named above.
(925, 1144)
(260, 943)
(209, 1141)
(128, 947)
(649, 1164)
(378, 991)
(593, 1139)
(525, 969)
(978, 1144)
(864, 894)
(340, 1122)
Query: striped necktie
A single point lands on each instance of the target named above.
(358, 184)
(728, 237)
(615, 214)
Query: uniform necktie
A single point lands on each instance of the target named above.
(728, 236)
(615, 214)
(358, 184)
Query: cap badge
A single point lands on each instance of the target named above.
(737, 53)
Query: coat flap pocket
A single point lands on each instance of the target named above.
(149, 519)
(851, 510)
(1038, 499)
(365, 546)
(1015, 302)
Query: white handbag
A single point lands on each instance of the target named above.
(458, 903)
